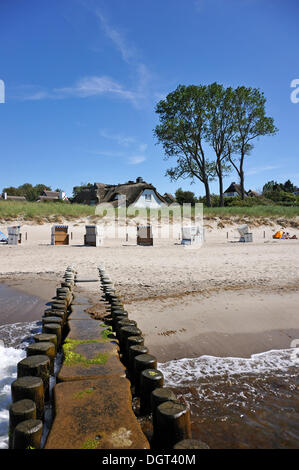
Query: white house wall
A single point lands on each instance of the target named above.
(153, 203)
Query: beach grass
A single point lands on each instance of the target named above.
(253, 211)
(10, 210)
(57, 212)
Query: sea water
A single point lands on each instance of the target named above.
(240, 402)
(14, 338)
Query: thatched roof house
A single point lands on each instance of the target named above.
(52, 196)
(253, 193)
(233, 190)
(5, 197)
(169, 198)
(137, 194)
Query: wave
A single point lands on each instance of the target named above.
(184, 371)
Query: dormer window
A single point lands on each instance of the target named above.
(148, 197)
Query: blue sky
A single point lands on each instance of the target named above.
(82, 78)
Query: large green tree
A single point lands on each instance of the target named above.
(183, 197)
(251, 122)
(182, 133)
(220, 128)
(78, 189)
(30, 192)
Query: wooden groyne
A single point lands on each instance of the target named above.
(90, 370)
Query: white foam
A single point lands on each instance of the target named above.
(19, 334)
(9, 357)
(184, 371)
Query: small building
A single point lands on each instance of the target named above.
(296, 192)
(5, 197)
(137, 194)
(169, 198)
(52, 196)
(252, 193)
(233, 190)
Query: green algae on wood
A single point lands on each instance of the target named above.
(72, 358)
(83, 393)
(107, 334)
(90, 444)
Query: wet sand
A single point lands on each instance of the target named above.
(24, 300)
(230, 323)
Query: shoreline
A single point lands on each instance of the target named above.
(221, 324)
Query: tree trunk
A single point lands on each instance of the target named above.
(220, 177)
(241, 174)
(208, 194)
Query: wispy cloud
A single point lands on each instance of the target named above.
(129, 55)
(127, 142)
(83, 88)
(106, 153)
(136, 159)
(140, 92)
(128, 52)
(121, 139)
(95, 86)
(255, 171)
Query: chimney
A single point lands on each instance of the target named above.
(139, 179)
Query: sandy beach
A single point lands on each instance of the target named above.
(224, 299)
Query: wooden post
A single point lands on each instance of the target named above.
(173, 424)
(134, 351)
(36, 366)
(31, 388)
(150, 379)
(158, 396)
(142, 362)
(47, 348)
(18, 412)
(28, 434)
(53, 328)
(124, 333)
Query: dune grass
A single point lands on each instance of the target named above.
(10, 210)
(56, 212)
(253, 212)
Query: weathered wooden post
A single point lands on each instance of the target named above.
(134, 351)
(28, 434)
(53, 328)
(18, 412)
(47, 348)
(36, 366)
(142, 362)
(31, 388)
(172, 424)
(124, 333)
(149, 380)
